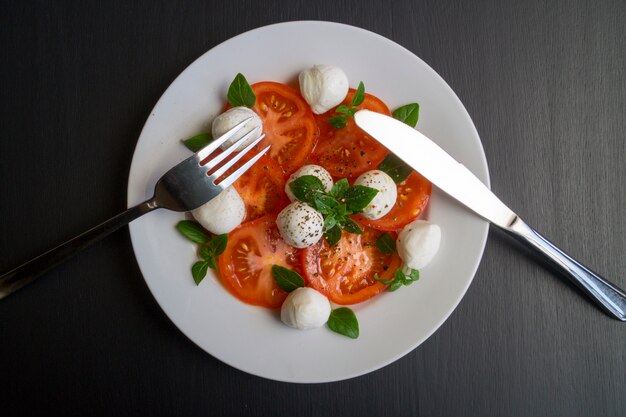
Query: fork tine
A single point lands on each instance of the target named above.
(219, 172)
(219, 158)
(208, 150)
(228, 181)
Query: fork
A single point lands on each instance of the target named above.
(184, 187)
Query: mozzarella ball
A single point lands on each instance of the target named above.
(304, 309)
(300, 225)
(229, 119)
(418, 243)
(223, 213)
(323, 87)
(387, 193)
(316, 171)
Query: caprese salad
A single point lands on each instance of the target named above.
(327, 217)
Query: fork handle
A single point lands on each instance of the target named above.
(606, 295)
(26, 273)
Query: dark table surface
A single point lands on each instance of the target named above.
(544, 84)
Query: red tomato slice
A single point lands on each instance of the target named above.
(245, 268)
(288, 124)
(348, 152)
(262, 188)
(413, 196)
(345, 273)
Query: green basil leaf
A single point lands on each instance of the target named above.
(413, 276)
(287, 279)
(205, 252)
(329, 222)
(211, 262)
(395, 168)
(193, 231)
(338, 122)
(341, 211)
(343, 321)
(351, 226)
(240, 93)
(358, 197)
(382, 281)
(218, 244)
(333, 235)
(339, 188)
(325, 204)
(306, 187)
(343, 109)
(197, 142)
(359, 95)
(408, 114)
(198, 271)
(394, 286)
(386, 244)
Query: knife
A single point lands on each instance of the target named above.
(457, 181)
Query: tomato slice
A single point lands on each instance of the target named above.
(245, 267)
(345, 273)
(262, 188)
(413, 196)
(288, 124)
(349, 151)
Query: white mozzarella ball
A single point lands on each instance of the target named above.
(223, 213)
(418, 243)
(304, 309)
(323, 87)
(229, 119)
(316, 171)
(387, 193)
(300, 225)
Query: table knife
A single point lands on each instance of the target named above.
(453, 178)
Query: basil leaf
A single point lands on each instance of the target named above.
(359, 95)
(394, 286)
(306, 187)
(197, 142)
(343, 321)
(240, 93)
(343, 109)
(351, 226)
(386, 244)
(329, 222)
(408, 114)
(198, 271)
(341, 210)
(338, 122)
(413, 276)
(205, 252)
(325, 204)
(358, 197)
(211, 262)
(395, 168)
(218, 244)
(333, 235)
(192, 231)
(383, 281)
(287, 279)
(339, 188)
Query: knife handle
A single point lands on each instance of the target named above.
(609, 297)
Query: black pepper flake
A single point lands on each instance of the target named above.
(362, 153)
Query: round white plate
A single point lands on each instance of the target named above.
(253, 339)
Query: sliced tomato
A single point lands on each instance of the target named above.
(348, 152)
(245, 268)
(262, 188)
(413, 196)
(288, 124)
(345, 272)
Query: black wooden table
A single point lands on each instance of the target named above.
(544, 83)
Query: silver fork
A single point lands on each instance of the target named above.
(184, 187)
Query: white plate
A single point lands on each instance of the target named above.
(253, 339)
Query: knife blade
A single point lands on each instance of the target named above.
(436, 165)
